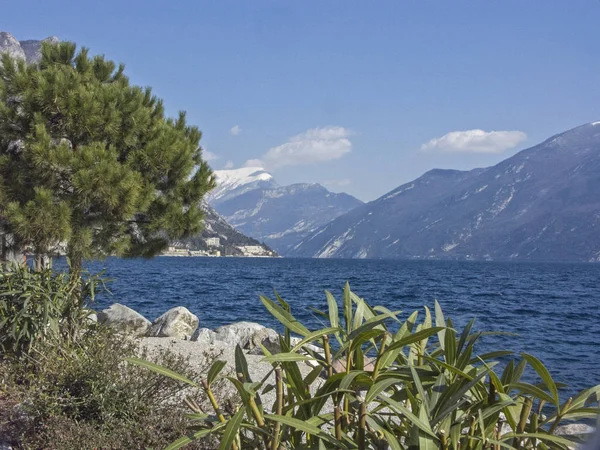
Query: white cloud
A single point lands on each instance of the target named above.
(208, 156)
(254, 163)
(338, 183)
(475, 141)
(228, 165)
(235, 130)
(313, 146)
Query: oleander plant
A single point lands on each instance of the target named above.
(369, 380)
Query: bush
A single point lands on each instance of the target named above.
(85, 396)
(36, 307)
(386, 383)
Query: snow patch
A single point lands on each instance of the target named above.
(448, 247)
(407, 188)
(596, 123)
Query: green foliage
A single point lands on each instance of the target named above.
(38, 307)
(83, 396)
(88, 159)
(387, 383)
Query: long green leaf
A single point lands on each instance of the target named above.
(286, 319)
(185, 440)
(314, 336)
(231, 430)
(544, 375)
(214, 370)
(160, 370)
(287, 357)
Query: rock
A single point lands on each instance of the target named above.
(339, 365)
(92, 317)
(266, 337)
(238, 333)
(177, 322)
(8, 44)
(574, 429)
(204, 335)
(123, 319)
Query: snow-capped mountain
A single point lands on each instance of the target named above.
(541, 204)
(281, 216)
(235, 182)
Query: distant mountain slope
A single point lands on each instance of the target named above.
(541, 204)
(215, 226)
(281, 216)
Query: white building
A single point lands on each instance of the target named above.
(213, 242)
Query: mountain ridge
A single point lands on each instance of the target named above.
(281, 216)
(539, 204)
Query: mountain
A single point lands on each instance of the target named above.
(29, 50)
(230, 241)
(541, 204)
(281, 216)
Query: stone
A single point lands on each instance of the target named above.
(177, 322)
(204, 335)
(239, 333)
(92, 317)
(8, 44)
(266, 337)
(574, 429)
(124, 319)
(339, 365)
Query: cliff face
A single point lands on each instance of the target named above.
(29, 50)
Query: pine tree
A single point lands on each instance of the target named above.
(90, 160)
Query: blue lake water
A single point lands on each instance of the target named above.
(553, 307)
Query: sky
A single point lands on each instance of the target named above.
(360, 96)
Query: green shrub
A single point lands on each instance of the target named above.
(85, 396)
(40, 306)
(398, 384)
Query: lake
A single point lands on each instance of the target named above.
(553, 307)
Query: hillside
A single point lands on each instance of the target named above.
(252, 201)
(541, 204)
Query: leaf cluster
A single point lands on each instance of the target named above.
(380, 382)
(40, 307)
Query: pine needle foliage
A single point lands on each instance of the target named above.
(89, 159)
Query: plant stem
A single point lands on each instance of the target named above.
(559, 415)
(278, 408)
(377, 362)
(327, 350)
(362, 425)
(525, 410)
(215, 406)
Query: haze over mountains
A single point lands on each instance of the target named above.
(541, 204)
(281, 216)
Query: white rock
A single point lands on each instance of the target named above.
(177, 322)
(204, 335)
(266, 337)
(574, 429)
(124, 319)
(238, 333)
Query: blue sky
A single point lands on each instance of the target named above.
(362, 96)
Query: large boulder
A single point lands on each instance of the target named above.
(124, 320)
(177, 322)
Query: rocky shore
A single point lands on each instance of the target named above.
(178, 330)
